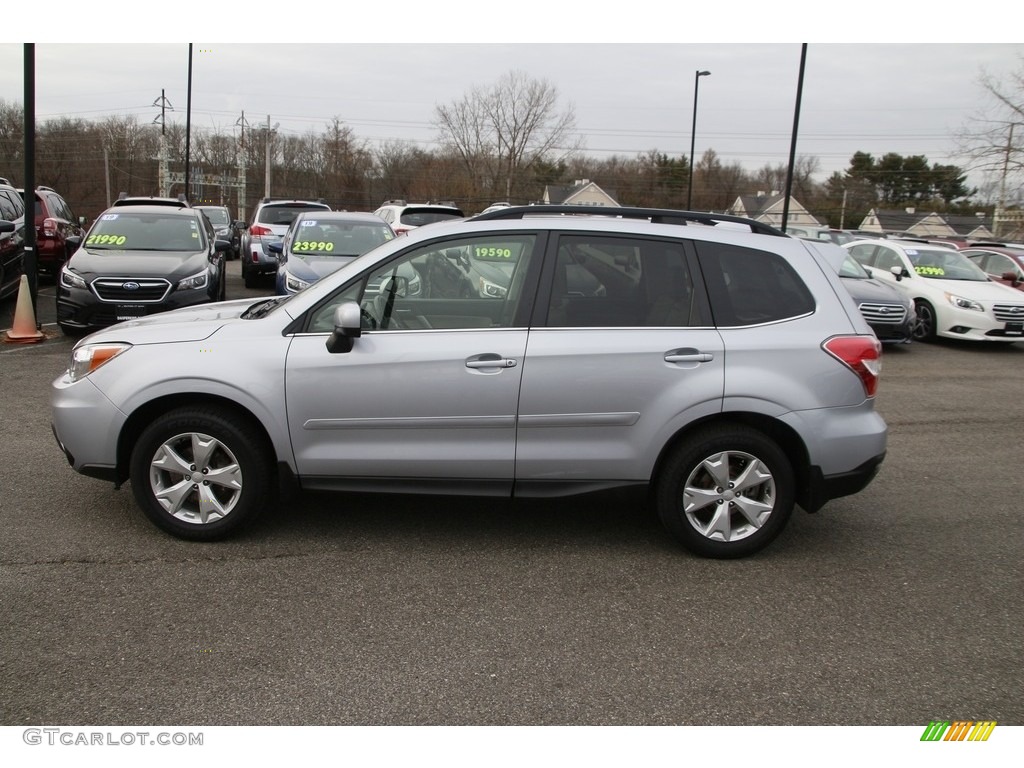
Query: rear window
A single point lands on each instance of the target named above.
(750, 287)
(285, 213)
(417, 217)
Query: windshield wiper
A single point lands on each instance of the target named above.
(261, 308)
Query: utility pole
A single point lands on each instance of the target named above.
(240, 158)
(997, 220)
(164, 182)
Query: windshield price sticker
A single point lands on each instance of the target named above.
(106, 240)
(930, 271)
(308, 246)
(492, 254)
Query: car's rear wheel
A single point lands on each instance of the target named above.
(726, 492)
(251, 277)
(924, 328)
(201, 473)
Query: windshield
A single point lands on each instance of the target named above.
(338, 238)
(217, 216)
(137, 231)
(851, 268)
(944, 264)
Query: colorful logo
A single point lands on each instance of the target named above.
(959, 730)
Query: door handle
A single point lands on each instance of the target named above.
(688, 355)
(491, 360)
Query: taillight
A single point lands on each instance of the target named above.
(49, 228)
(256, 230)
(861, 354)
(402, 230)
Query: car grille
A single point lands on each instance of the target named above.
(1008, 313)
(130, 290)
(884, 314)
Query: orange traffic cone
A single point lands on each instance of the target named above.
(24, 330)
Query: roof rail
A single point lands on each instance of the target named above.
(5, 181)
(45, 189)
(654, 215)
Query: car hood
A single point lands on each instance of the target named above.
(186, 324)
(312, 268)
(125, 263)
(873, 289)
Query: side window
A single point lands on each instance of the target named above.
(750, 287)
(864, 254)
(468, 282)
(8, 211)
(998, 264)
(887, 259)
(617, 282)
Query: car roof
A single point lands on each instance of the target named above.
(342, 216)
(166, 210)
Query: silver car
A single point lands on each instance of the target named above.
(722, 366)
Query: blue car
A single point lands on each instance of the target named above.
(320, 242)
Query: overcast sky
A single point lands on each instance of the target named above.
(380, 72)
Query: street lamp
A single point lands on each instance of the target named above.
(693, 133)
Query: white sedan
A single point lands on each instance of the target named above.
(954, 298)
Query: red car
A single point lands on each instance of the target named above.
(1003, 262)
(55, 223)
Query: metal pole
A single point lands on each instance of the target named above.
(693, 135)
(266, 180)
(792, 145)
(188, 121)
(31, 262)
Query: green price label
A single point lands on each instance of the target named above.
(309, 246)
(106, 240)
(930, 271)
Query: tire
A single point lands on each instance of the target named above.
(235, 473)
(924, 328)
(251, 278)
(699, 506)
(223, 285)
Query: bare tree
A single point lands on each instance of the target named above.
(994, 139)
(501, 132)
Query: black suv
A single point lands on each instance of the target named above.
(226, 227)
(55, 223)
(12, 239)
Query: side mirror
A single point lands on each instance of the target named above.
(221, 245)
(899, 272)
(81, 221)
(275, 248)
(6, 227)
(346, 328)
(1012, 278)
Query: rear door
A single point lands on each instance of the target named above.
(621, 353)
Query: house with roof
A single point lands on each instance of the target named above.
(767, 207)
(580, 192)
(914, 223)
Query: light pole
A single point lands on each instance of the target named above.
(693, 133)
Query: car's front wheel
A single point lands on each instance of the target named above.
(726, 492)
(924, 328)
(200, 473)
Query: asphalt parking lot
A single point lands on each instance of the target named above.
(897, 606)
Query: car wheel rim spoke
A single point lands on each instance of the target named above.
(729, 496)
(195, 478)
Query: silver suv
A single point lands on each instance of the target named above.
(709, 358)
(270, 221)
(404, 217)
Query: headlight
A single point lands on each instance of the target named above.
(492, 290)
(198, 280)
(961, 303)
(293, 283)
(70, 280)
(89, 357)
